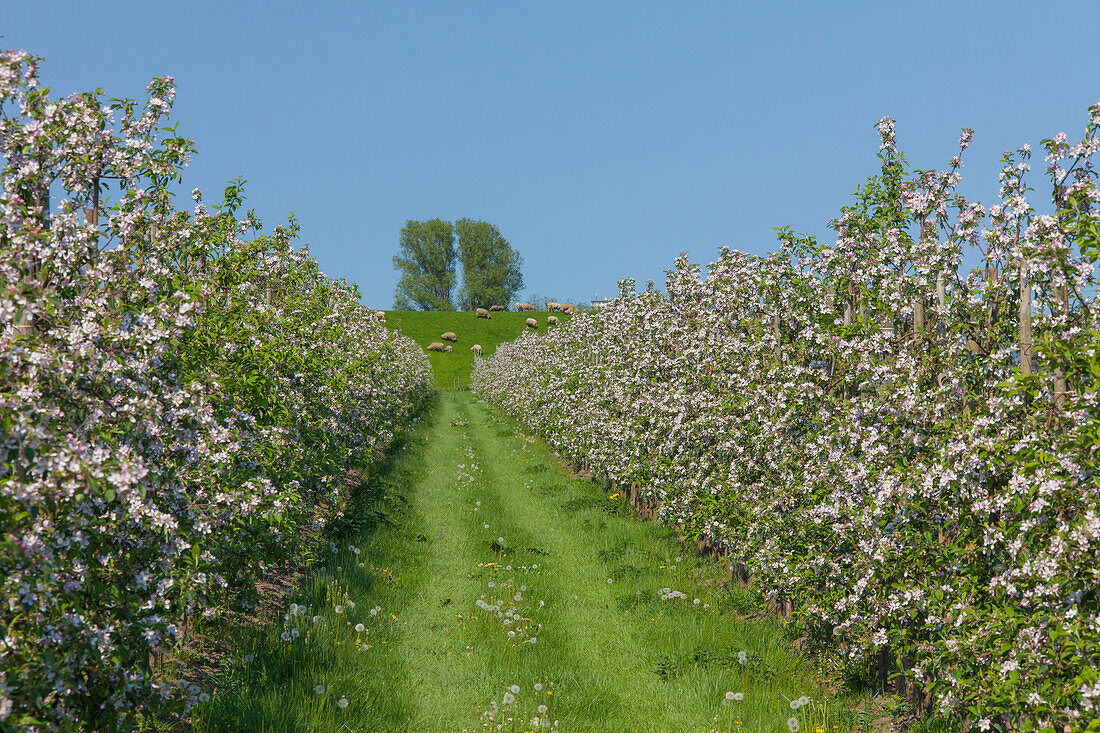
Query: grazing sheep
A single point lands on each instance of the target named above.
(532, 323)
(569, 308)
(524, 307)
(449, 336)
(552, 306)
(448, 348)
(482, 313)
(552, 320)
(381, 316)
(476, 348)
(497, 308)
(436, 346)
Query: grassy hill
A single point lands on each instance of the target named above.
(454, 368)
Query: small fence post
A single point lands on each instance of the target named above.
(1025, 320)
(1060, 370)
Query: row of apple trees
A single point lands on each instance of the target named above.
(182, 399)
(905, 453)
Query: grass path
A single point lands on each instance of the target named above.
(472, 563)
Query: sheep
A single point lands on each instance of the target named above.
(569, 308)
(436, 346)
(448, 348)
(524, 307)
(497, 308)
(381, 316)
(532, 323)
(482, 313)
(449, 336)
(476, 348)
(552, 320)
(552, 306)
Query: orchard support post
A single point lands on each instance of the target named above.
(1026, 344)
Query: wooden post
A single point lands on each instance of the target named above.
(918, 315)
(24, 322)
(1025, 320)
(847, 313)
(830, 298)
(1060, 370)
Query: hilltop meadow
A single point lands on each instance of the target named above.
(453, 369)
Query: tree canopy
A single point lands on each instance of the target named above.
(490, 266)
(426, 260)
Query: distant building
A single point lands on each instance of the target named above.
(599, 303)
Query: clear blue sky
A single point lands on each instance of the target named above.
(602, 138)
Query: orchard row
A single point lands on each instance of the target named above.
(182, 400)
(903, 452)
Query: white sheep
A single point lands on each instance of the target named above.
(449, 336)
(436, 346)
(482, 313)
(476, 348)
(497, 308)
(552, 320)
(524, 307)
(532, 323)
(552, 306)
(448, 348)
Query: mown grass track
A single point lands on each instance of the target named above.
(468, 502)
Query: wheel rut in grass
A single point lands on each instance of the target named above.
(487, 566)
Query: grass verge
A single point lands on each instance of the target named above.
(475, 585)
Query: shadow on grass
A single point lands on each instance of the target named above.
(271, 682)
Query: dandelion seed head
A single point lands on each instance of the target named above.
(359, 628)
(319, 689)
(514, 689)
(342, 703)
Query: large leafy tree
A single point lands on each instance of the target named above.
(426, 260)
(490, 267)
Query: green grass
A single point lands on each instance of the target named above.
(424, 327)
(610, 654)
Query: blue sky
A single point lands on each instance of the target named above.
(601, 138)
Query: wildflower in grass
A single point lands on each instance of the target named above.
(293, 609)
(317, 619)
(500, 540)
(285, 636)
(731, 696)
(542, 709)
(342, 703)
(508, 698)
(360, 628)
(514, 689)
(803, 700)
(319, 689)
(294, 633)
(609, 581)
(795, 704)
(203, 697)
(538, 686)
(742, 657)
(339, 609)
(792, 724)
